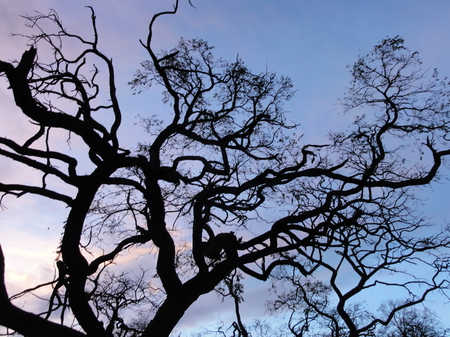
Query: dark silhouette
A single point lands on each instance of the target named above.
(225, 155)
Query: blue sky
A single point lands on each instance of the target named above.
(310, 41)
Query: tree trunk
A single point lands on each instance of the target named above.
(168, 315)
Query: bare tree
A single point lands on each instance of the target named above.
(225, 155)
(413, 322)
(379, 231)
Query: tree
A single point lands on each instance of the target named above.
(225, 154)
(399, 131)
(312, 313)
(414, 323)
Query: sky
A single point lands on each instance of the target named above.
(310, 41)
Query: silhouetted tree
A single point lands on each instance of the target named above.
(403, 123)
(225, 154)
(413, 322)
(312, 312)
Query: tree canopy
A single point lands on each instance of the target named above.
(193, 195)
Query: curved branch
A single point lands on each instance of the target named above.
(19, 190)
(93, 266)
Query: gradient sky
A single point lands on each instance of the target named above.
(310, 41)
